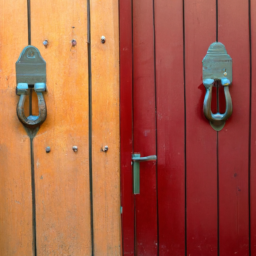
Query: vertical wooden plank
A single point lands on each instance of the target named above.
(234, 138)
(15, 169)
(170, 126)
(126, 145)
(200, 32)
(253, 129)
(62, 176)
(144, 126)
(105, 126)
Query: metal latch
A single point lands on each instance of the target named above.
(136, 158)
(217, 67)
(31, 74)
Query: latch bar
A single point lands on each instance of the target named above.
(136, 158)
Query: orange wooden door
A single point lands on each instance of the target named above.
(62, 202)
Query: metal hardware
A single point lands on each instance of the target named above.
(48, 149)
(104, 149)
(74, 43)
(103, 39)
(45, 43)
(217, 67)
(75, 148)
(136, 158)
(31, 74)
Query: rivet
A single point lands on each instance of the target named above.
(103, 39)
(45, 43)
(75, 148)
(74, 43)
(48, 149)
(104, 149)
(225, 73)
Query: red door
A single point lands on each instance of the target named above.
(199, 197)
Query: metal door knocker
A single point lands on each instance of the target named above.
(217, 67)
(31, 74)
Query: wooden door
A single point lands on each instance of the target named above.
(61, 202)
(198, 198)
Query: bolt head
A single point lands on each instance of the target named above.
(48, 149)
(75, 148)
(103, 39)
(74, 43)
(45, 42)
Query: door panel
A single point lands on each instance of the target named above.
(201, 146)
(202, 176)
(144, 126)
(105, 127)
(252, 183)
(46, 198)
(170, 126)
(62, 176)
(126, 119)
(233, 143)
(15, 182)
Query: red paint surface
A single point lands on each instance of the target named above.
(234, 138)
(126, 127)
(165, 183)
(144, 126)
(253, 131)
(200, 32)
(170, 126)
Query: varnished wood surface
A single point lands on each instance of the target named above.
(15, 183)
(105, 127)
(62, 176)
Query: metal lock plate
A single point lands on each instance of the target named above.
(30, 67)
(217, 64)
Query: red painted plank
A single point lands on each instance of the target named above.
(170, 126)
(234, 138)
(253, 130)
(200, 32)
(126, 126)
(145, 125)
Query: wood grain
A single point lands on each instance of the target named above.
(62, 176)
(105, 127)
(15, 183)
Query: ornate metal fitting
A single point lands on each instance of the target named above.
(217, 67)
(31, 74)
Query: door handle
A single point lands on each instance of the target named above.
(31, 121)
(31, 74)
(136, 158)
(217, 67)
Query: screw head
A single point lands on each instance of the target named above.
(103, 39)
(45, 43)
(105, 149)
(75, 148)
(48, 149)
(74, 43)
